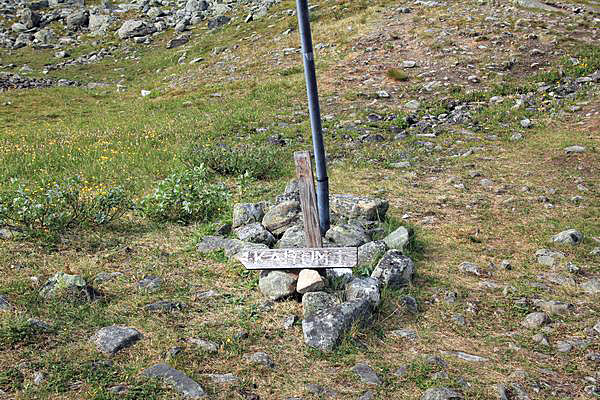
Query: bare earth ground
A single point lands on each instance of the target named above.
(456, 218)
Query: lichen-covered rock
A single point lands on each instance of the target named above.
(247, 213)
(397, 239)
(109, 340)
(325, 330)
(282, 216)
(313, 302)
(369, 253)
(394, 270)
(570, 236)
(69, 286)
(364, 288)
(346, 206)
(441, 393)
(277, 284)
(255, 233)
(180, 381)
(347, 235)
(292, 238)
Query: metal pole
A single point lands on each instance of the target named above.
(315, 115)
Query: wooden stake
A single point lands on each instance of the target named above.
(308, 199)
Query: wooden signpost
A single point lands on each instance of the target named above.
(314, 256)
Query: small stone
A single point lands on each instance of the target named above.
(401, 371)
(223, 378)
(540, 338)
(206, 345)
(409, 64)
(409, 334)
(394, 270)
(366, 374)
(526, 123)
(471, 268)
(180, 381)
(459, 320)
(549, 258)
(535, 320)
(591, 286)
(411, 304)
(563, 347)
(505, 264)
(260, 358)
(466, 356)
(441, 393)
(289, 321)
(38, 378)
(309, 280)
(574, 149)
(368, 395)
(597, 327)
(571, 236)
(150, 283)
(397, 239)
(320, 391)
(145, 93)
(412, 105)
(118, 389)
(109, 340)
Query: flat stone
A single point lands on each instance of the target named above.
(466, 356)
(324, 330)
(397, 239)
(309, 280)
(570, 236)
(277, 284)
(177, 379)
(535, 320)
(223, 378)
(371, 252)
(132, 28)
(408, 334)
(247, 213)
(282, 216)
(313, 302)
(364, 288)
(109, 340)
(441, 393)
(549, 258)
(394, 270)
(366, 374)
(206, 345)
(260, 358)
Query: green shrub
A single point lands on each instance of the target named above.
(258, 162)
(186, 197)
(53, 208)
(397, 75)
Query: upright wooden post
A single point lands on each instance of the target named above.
(309, 279)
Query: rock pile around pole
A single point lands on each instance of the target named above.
(335, 299)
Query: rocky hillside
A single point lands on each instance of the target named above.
(144, 145)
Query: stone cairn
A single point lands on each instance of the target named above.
(336, 300)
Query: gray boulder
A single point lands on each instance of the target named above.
(394, 270)
(292, 238)
(369, 253)
(255, 233)
(347, 235)
(246, 213)
(196, 6)
(282, 216)
(314, 302)
(325, 330)
(132, 28)
(397, 239)
(111, 339)
(78, 19)
(99, 24)
(277, 284)
(180, 381)
(441, 393)
(44, 36)
(364, 288)
(29, 18)
(571, 236)
(66, 285)
(347, 206)
(535, 320)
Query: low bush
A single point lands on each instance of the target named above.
(184, 197)
(258, 162)
(55, 207)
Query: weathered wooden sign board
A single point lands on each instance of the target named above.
(332, 257)
(314, 256)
